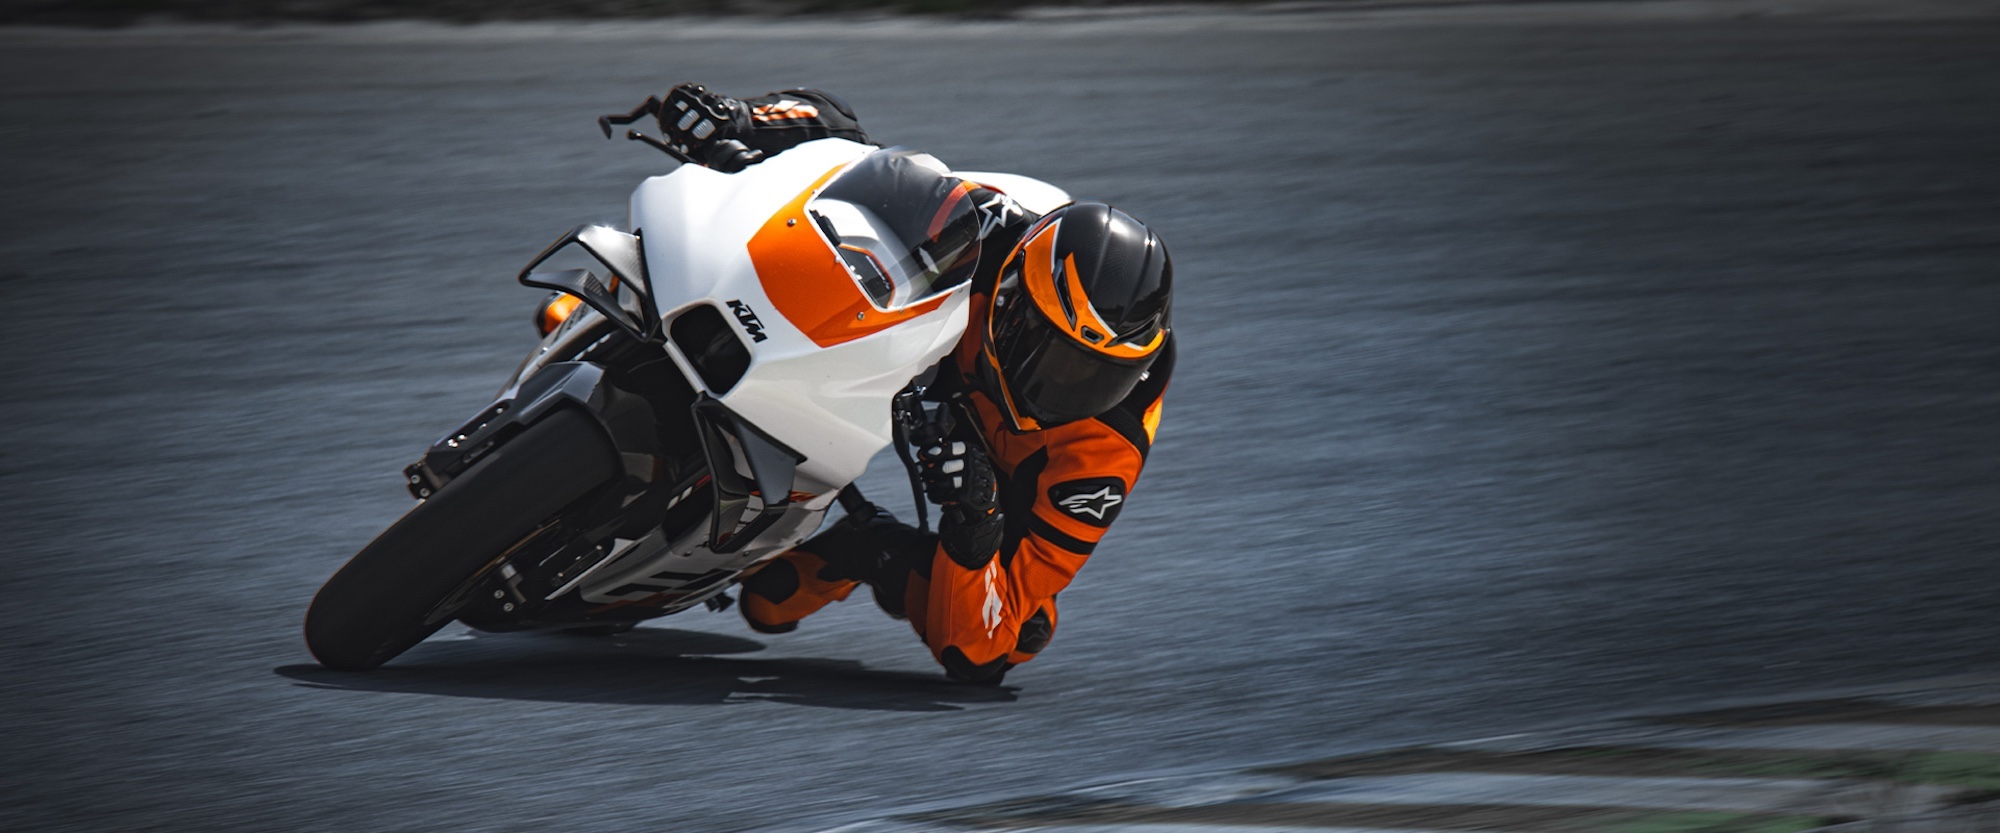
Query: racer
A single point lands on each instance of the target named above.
(1050, 402)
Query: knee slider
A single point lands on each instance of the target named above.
(959, 667)
(1035, 633)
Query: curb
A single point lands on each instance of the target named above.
(1912, 759)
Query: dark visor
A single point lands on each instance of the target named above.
(1052, 378)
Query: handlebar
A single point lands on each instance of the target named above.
(649, 108)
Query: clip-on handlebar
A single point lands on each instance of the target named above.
(651, 107)
(699, 126)
(906, 413)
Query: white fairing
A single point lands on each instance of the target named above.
(829, 402)
(1033, 194)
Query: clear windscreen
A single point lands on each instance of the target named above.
(903, 225)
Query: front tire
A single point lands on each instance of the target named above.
(374, 608)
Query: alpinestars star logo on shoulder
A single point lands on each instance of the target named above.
(1094, 501)
(996, 211)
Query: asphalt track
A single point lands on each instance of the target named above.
(1540, 363)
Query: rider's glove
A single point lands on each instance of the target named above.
(954, 473)
(959, 478)
(708, 126)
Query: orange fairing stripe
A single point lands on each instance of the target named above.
(1038, 268)
(810, 286)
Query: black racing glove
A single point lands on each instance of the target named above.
(960, 479)
(708, 127)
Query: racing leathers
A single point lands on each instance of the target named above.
(981, 593)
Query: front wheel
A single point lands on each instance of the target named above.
(376, 606)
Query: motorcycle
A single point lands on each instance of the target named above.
(709, 384)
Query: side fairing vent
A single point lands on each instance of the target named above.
(705, 338)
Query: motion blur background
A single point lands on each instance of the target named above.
(1541, 362)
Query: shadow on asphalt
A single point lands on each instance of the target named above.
(649, 666)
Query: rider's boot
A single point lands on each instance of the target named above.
(868, 546)
(790, 588)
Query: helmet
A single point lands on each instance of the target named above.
(1078, 316)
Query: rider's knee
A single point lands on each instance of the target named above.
(1036, 631)
(960, 667)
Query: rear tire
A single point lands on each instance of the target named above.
(374, 608)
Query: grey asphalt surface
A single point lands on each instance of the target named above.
(1539, 364)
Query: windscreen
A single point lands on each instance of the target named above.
(903, 225)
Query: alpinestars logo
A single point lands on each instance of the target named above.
(1094, 501)
(748, 319)
(997, 211)
(1094, 504)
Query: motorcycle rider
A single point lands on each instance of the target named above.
(1050, 402)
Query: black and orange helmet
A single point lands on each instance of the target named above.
(1078, 316)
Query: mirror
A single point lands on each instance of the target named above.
(583, 284)
(620, 251)
(604, 267)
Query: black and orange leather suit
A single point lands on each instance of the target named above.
(1060, 490)
(1060, 487)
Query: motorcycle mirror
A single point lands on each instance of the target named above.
(620, 254)
(583, 284)
(620, 251)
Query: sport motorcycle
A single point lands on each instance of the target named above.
(711, 381)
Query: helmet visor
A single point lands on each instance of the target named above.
(903, 225)
(1049, 376)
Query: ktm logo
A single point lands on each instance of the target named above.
(785, 109)
(748, 319)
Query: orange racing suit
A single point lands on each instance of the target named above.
(1060, 488)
